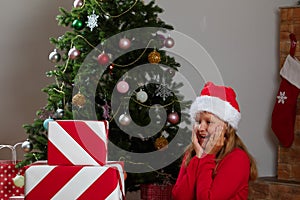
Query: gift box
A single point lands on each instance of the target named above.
(74, 182)
(77, 142)
(8, 172)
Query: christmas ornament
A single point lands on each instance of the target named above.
(54, 56)
(27, 145)
(78, 100)
(163, 91)
(19, 180)
(77, 24)
(123, 87)
(124, 119)
(73, 53)
(124, 43)
(46, 122)
(77, 3)
(103, 59)
(92, 21)
(169, 42)
(59, 113)
(154, 57)
(142, 96)
(285, 108)
(173, 118)
(160, 143)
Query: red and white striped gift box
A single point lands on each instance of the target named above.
(74, 182)
(77, 142)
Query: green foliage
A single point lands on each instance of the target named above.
(115, 16)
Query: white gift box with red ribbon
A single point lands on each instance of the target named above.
(77, 142)
(44, 181)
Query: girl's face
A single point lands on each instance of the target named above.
(206, 124)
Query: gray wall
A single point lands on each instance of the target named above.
(241, 36)
(26, 27)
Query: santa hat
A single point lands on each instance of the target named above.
(220, 101)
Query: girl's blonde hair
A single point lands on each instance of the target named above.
(232, 141)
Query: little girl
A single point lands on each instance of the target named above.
(216, 165)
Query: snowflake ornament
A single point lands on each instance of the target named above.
(163, 90)
(92, 21)
(281, 98)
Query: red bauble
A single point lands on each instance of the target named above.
(103, 59)
(173, 118)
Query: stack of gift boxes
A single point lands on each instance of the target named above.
(77, 166)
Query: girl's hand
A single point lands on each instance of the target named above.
(197, 147)
(216, 140)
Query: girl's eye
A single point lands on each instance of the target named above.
(210, 122)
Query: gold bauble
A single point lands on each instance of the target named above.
(161, 143)
(154, 57)
(78, 100)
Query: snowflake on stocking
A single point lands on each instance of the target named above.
(281, 98)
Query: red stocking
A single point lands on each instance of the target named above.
(284, 112)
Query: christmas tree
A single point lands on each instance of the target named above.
(110, 64)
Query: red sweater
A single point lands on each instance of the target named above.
(230, 181)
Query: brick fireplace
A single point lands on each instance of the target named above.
(286, 185)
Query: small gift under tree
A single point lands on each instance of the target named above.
(11, 178)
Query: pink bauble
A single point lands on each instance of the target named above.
(77, 3)
(122, 87)
(169, 42)
(124, 43)
(173, 118)
(73, 53)
(103, 59)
